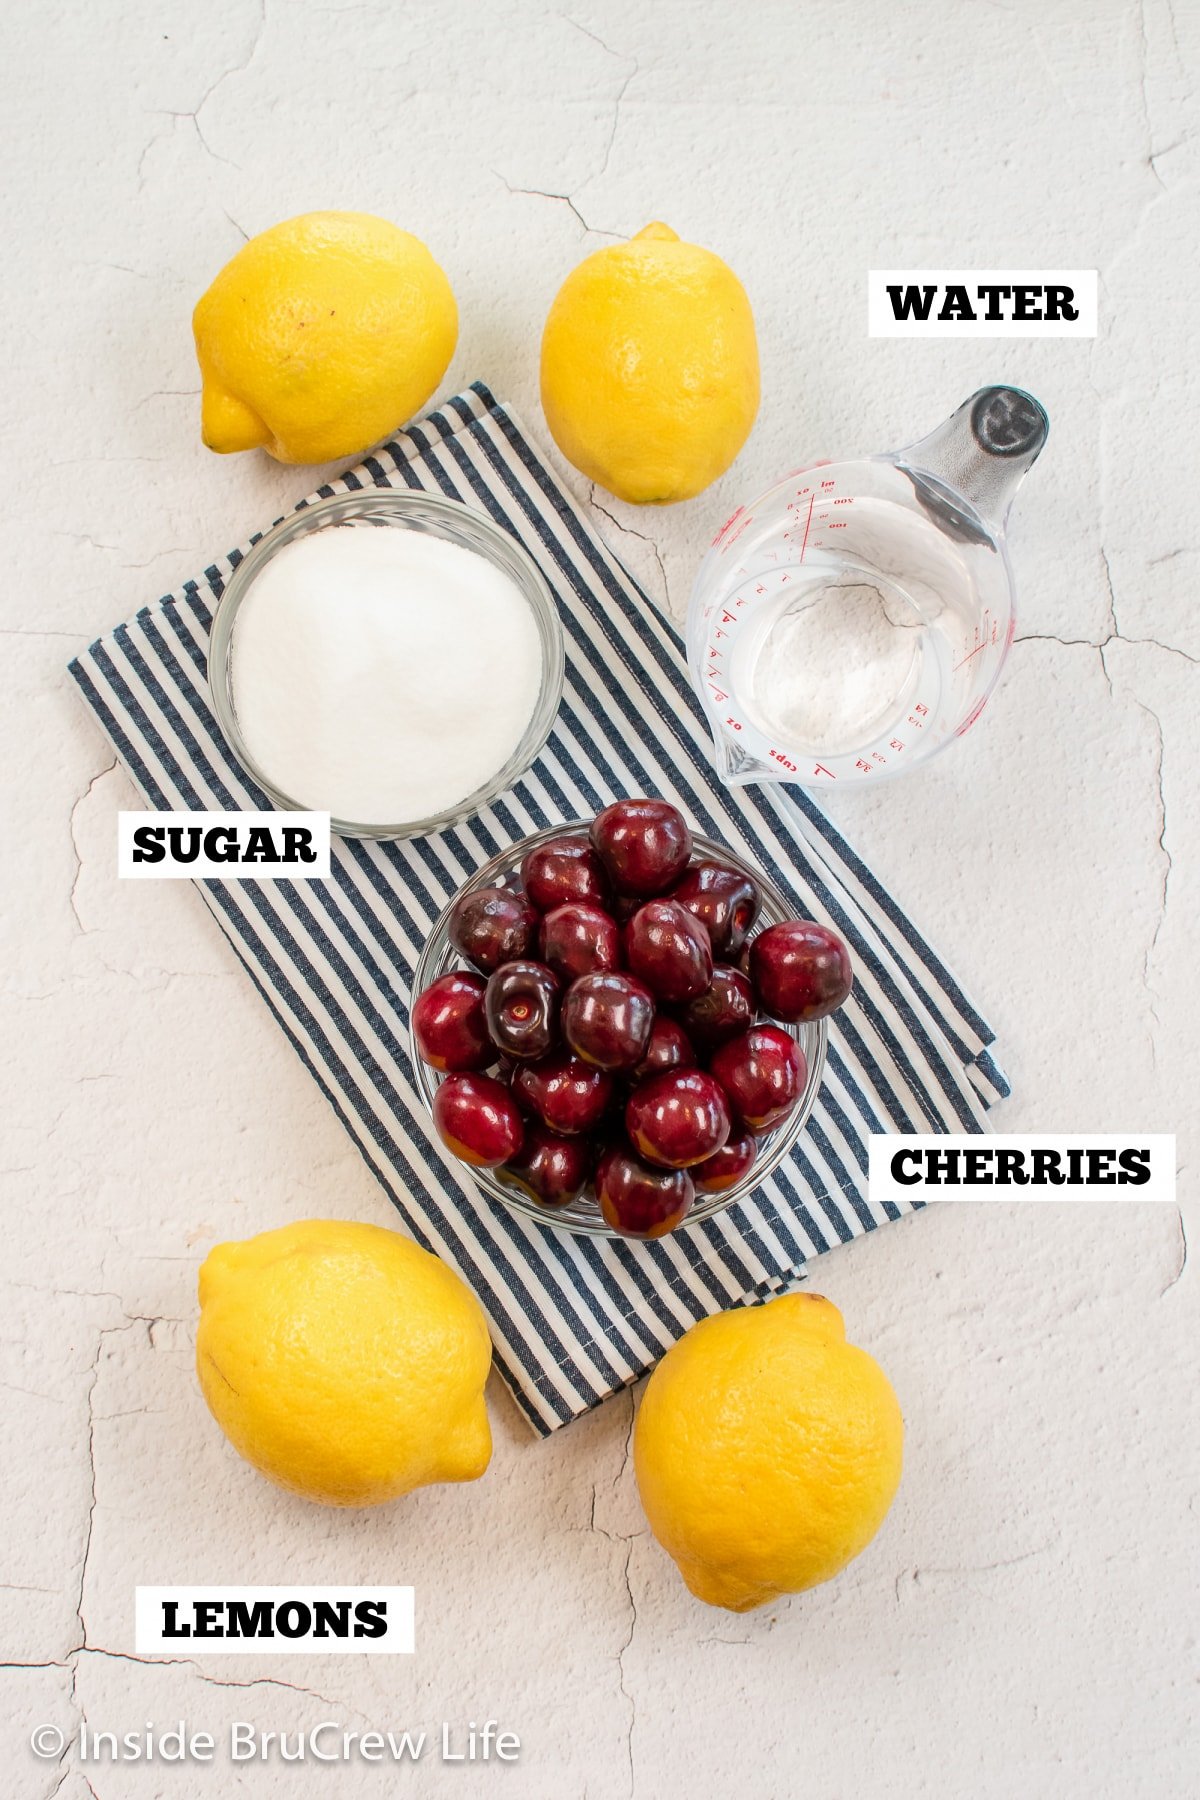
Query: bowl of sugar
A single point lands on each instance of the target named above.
(390, 657)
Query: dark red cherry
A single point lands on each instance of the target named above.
(492, 926)
(449, 1023)
(568, 1095)
(521, 1003)
(478, 1119)
(639, 1201)
(669, 950)
(643, 844)
(800, 970)
(724, 1008)
(669, 1048)
(725, 901)
(579, 939)
(763, 1074)
(564, 870)
(677, 1119)
(551, 1170)
(606, 1019)
(726, 1167)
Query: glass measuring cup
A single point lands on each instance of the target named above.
(854, 619)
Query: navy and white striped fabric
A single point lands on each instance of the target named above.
(573, 1319)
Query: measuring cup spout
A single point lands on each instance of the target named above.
(735, 766)
(981, 454)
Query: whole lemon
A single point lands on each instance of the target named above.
(344, 1362)
(320, 337)
(650, 367)
(767, 1451)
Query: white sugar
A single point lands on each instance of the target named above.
(382, 674)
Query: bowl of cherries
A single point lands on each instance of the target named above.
(619, 1025)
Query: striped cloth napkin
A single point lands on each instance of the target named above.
(573, 1319)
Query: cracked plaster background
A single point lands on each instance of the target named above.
(1026, 1620)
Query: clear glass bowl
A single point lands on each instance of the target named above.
(403, 510)
(583, 1215)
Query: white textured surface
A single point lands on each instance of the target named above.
(1026, 1621)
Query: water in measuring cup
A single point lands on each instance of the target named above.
(859, 647)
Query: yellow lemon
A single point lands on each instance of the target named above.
(650, 367)
(346, 1363)
(767, 1451)
(320, 337)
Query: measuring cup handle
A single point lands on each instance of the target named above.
(984, 450)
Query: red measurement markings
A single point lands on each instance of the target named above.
(807, 524)
(820, 769)
(986, 633)
(732, 529)
(969, 656)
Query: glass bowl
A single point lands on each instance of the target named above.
(583, 1214)
(403, 510)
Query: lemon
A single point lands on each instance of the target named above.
(320, 337)
(767, 1451)
(344, 1362)
(650, 367)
